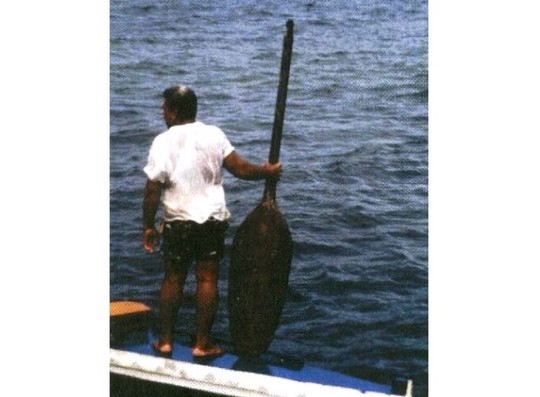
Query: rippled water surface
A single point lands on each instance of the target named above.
(354, 151)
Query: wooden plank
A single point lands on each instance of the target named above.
(126, 317)
(124, 308)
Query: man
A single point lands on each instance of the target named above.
(184, 174)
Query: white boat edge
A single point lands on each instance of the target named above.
(224, 381)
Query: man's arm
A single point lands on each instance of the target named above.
(243, 169)
(152, 196)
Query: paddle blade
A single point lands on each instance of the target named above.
(258, 277)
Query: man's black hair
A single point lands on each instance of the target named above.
(182, 100)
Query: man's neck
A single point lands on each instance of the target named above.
(181, 122)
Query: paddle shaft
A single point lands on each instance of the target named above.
(279, 115)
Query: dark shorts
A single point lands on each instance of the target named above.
(186, 241)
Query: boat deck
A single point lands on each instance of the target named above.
(231, 375)
(136, 370)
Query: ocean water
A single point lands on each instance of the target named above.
(355, 155)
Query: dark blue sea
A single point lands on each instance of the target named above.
(355, 155)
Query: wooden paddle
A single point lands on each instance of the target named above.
(262, 250)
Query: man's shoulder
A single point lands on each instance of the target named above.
(208, 127)
(161, 136)
(211, 131)
(197, 129)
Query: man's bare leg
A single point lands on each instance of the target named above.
(207, 274)
(169, 303)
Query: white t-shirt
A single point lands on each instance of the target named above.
(188, 158)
